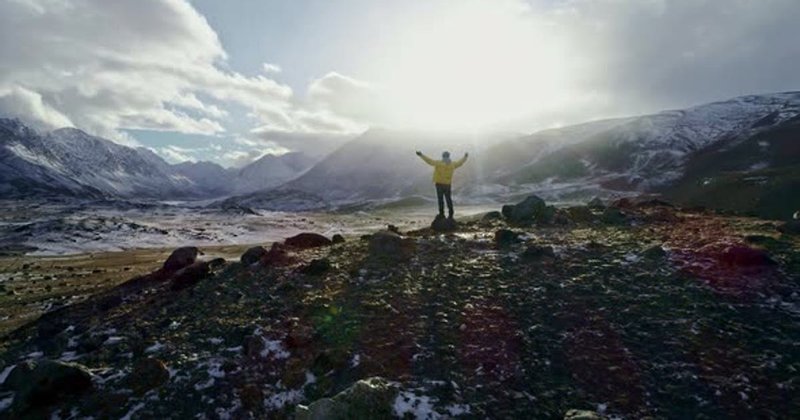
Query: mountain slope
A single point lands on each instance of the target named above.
(69, 161)
(638, 154)
(271, 171)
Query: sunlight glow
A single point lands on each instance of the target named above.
(470, 66)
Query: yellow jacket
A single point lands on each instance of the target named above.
(443, 171)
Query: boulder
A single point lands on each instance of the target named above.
(530, 209)
(181, 257)
(582, 415)
(596, 203)
(492, 215)
(613, 216)
(442, 224)
(622, 203)
(371, 398)
(743, 256)
(253, 255)
(539, 252)
(389, 245)
(191, 275)
(791, 227)
(337, 239)
(307, 240)
(580, 214)
(277, 255)
(654, 252)
(43, 383)
(505, 237)
(316, 267)
(147, 373)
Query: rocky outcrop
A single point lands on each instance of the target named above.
(443, 224)
(38, 384)
(253, 255)
(193, 274)
(307, 240)
(181, 257)
(528, 210)
(366, 399)
(148, 373)
(390, 246)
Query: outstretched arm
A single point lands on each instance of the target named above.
(462, 160)
(427, 160)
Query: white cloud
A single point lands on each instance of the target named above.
(107, 66)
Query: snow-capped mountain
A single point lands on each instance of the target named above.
(69, 161)
(645, 153)
(270, 171)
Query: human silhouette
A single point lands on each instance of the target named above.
(443, 178)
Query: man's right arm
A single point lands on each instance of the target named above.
(427, 160)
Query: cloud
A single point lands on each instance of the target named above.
(108, 66)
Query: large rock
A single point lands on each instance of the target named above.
(337, 239)
(390, 245)
(147, 374)
(539, 252)
(276, 256)
(743, 256)
(307, 240)
(443, 224)
(191, 275)
(505, 237)
(580, 214)
(181, 257)
(316, 267)
(530, 209)
(43, 383)
(253, 255)
(614, 216)
(371, 398)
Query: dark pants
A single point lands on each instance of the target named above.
(443, 192)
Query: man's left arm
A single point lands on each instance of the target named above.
(462, 160)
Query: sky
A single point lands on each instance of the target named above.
(229, 81)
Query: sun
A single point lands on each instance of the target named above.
(470, 67)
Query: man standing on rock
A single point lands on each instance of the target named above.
(443, 177)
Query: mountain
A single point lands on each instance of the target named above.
(71, 162)
(665, 152)
(68, 161)
(271, 171)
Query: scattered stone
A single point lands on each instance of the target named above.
(443, 224)
(654, 252)
(148, 373)
(538, 252)
(337, 239)
(42, 383)
(181, 257)
(253, 346)
(582, 415)
(505, 237)
(253, 255)
(307, 240)
(530, 209)
(743, 256)
(251, 396)
(317, 267)
(596, 203)
(390, 245)
(371, 398)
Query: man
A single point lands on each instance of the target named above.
(443, 177)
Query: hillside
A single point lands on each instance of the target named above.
(635, 310)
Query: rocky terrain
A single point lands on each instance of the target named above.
(627, 309)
